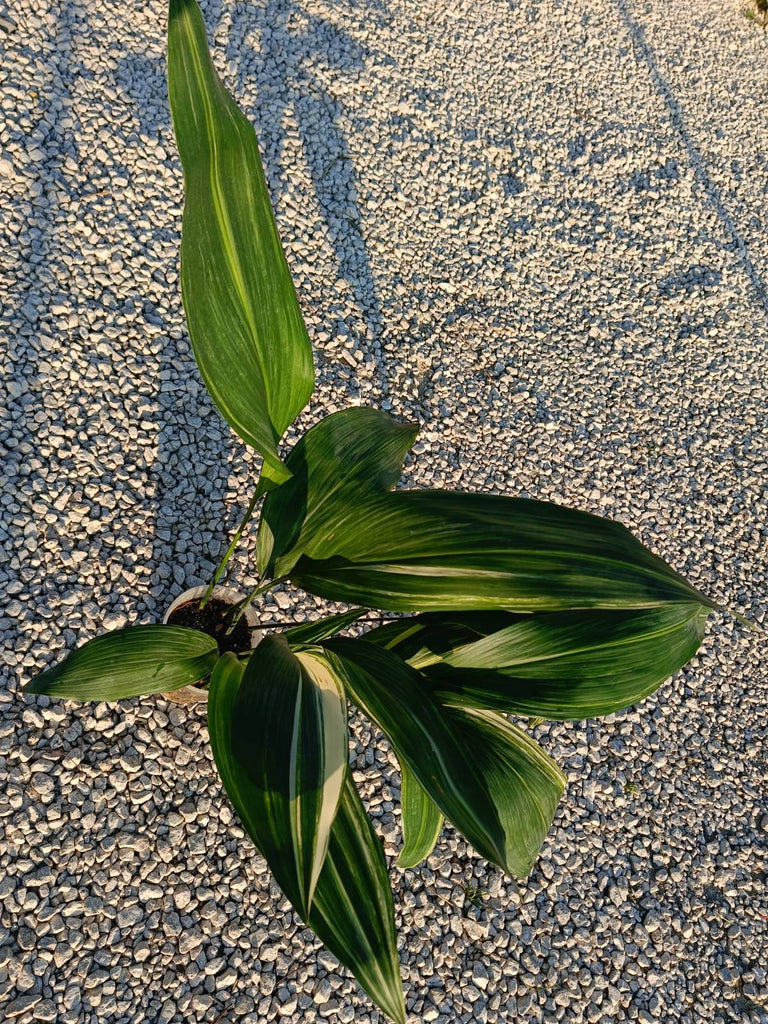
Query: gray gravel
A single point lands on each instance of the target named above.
(539, 229)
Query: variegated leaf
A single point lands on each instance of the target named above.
(494, 783)
(564, 665)
(422, 820)
(339, 531)
(129, 662)
(352, 910)
(247, 331)
(289, 735)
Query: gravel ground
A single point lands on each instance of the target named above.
(536, 227)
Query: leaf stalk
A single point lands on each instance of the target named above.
(233, 544)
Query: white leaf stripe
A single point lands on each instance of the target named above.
(547, 585)
(330, 715)
(295, 806)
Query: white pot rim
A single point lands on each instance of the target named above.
(228, 594)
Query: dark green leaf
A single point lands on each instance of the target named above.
(422, 820)
(352, 909)
(424, 639)
(352, 912)
(443, 550)
(130, 662)
(347, 455)
(523, 782)
(246, 327)
(289, 736)
(321, 629)
(561, 665)
(339, 532)
(489, 779)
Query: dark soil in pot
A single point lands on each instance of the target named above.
(211, 620)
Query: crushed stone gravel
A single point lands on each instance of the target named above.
(539, 229)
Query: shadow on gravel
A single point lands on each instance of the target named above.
(291, 45)
(645, 53)
(90, 329)
(44, 313)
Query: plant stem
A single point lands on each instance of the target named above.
(230, 550)
(236, 612)
(287, 622)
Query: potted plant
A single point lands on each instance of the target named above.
(503, 604)
(205, 609)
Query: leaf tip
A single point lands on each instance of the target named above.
(391, 1002)
(753, 627)
(37, 684)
